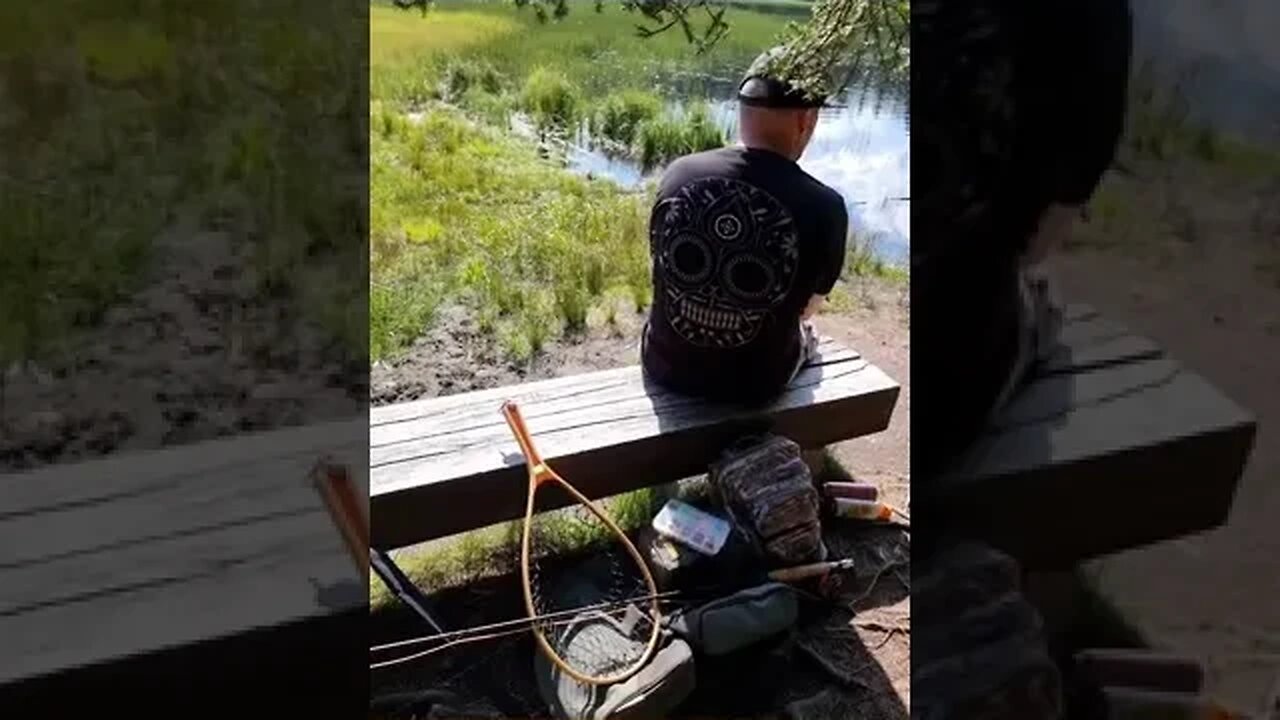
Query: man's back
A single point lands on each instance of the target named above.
(741, 240)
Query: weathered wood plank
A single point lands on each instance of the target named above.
(1115, 446)
(561, 417)
(479, 403)
(439, 471)
(144, 554)
(1103, 351)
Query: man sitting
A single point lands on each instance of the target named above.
(745, 247)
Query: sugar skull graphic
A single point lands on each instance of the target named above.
(727, 254)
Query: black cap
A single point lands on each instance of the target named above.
(761, 88)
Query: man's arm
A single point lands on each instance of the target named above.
(832, 259)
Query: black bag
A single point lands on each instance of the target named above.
(738, 620)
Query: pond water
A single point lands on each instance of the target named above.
(861, 149)
(1226, 56)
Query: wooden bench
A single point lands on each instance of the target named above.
(1112, 445)
(445, 465)
(186, 575)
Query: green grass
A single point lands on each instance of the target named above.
(399, 38)
(531, 249)
(621, 114)
(493, 550)
(665, 138)
(551, 99)
(113, 126)
(1185, 182)
(1159, 127)
(599, 53)
(862, 260)
(528, 246)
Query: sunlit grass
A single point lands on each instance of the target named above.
(551, 99)
(620, 115)
(599, 52)
(665, 138)
(397, 35)
(527, 246)
(863, 260)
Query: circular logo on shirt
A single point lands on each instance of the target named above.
(727, 253)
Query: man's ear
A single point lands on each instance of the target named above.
(808, 120)
(798, 121)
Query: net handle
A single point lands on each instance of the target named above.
(515, 420)
(539, 472)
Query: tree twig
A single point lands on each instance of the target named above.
(875, 579)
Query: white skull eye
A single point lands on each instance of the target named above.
(689, 259)
(748, 277)
(728, 227)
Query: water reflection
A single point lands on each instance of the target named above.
(860, 149)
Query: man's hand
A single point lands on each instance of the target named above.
(1053, 232)
(815, 304)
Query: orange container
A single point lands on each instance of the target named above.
(861, 509)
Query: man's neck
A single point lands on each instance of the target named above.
(775, 148)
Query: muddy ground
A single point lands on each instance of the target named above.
(199, 351)
(860, 637)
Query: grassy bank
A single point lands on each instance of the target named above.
(115, 126)
(530, 247)
(600, 53)
(1179, 185)
(589, 69)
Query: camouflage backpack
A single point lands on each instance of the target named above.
(764, 485)
(978, 648)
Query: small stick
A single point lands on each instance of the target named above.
(881, 627)
(875, 579)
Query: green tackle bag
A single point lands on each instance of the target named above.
(738, 620)
(715, 628)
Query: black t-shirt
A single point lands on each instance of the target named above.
(741, 240)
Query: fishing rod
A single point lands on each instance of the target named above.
(522, 623)
(495, 631)
(906, 198)
(509, 628)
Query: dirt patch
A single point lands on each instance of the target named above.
(455, 356)
(199, 352)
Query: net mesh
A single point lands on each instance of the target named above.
(589, 591)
